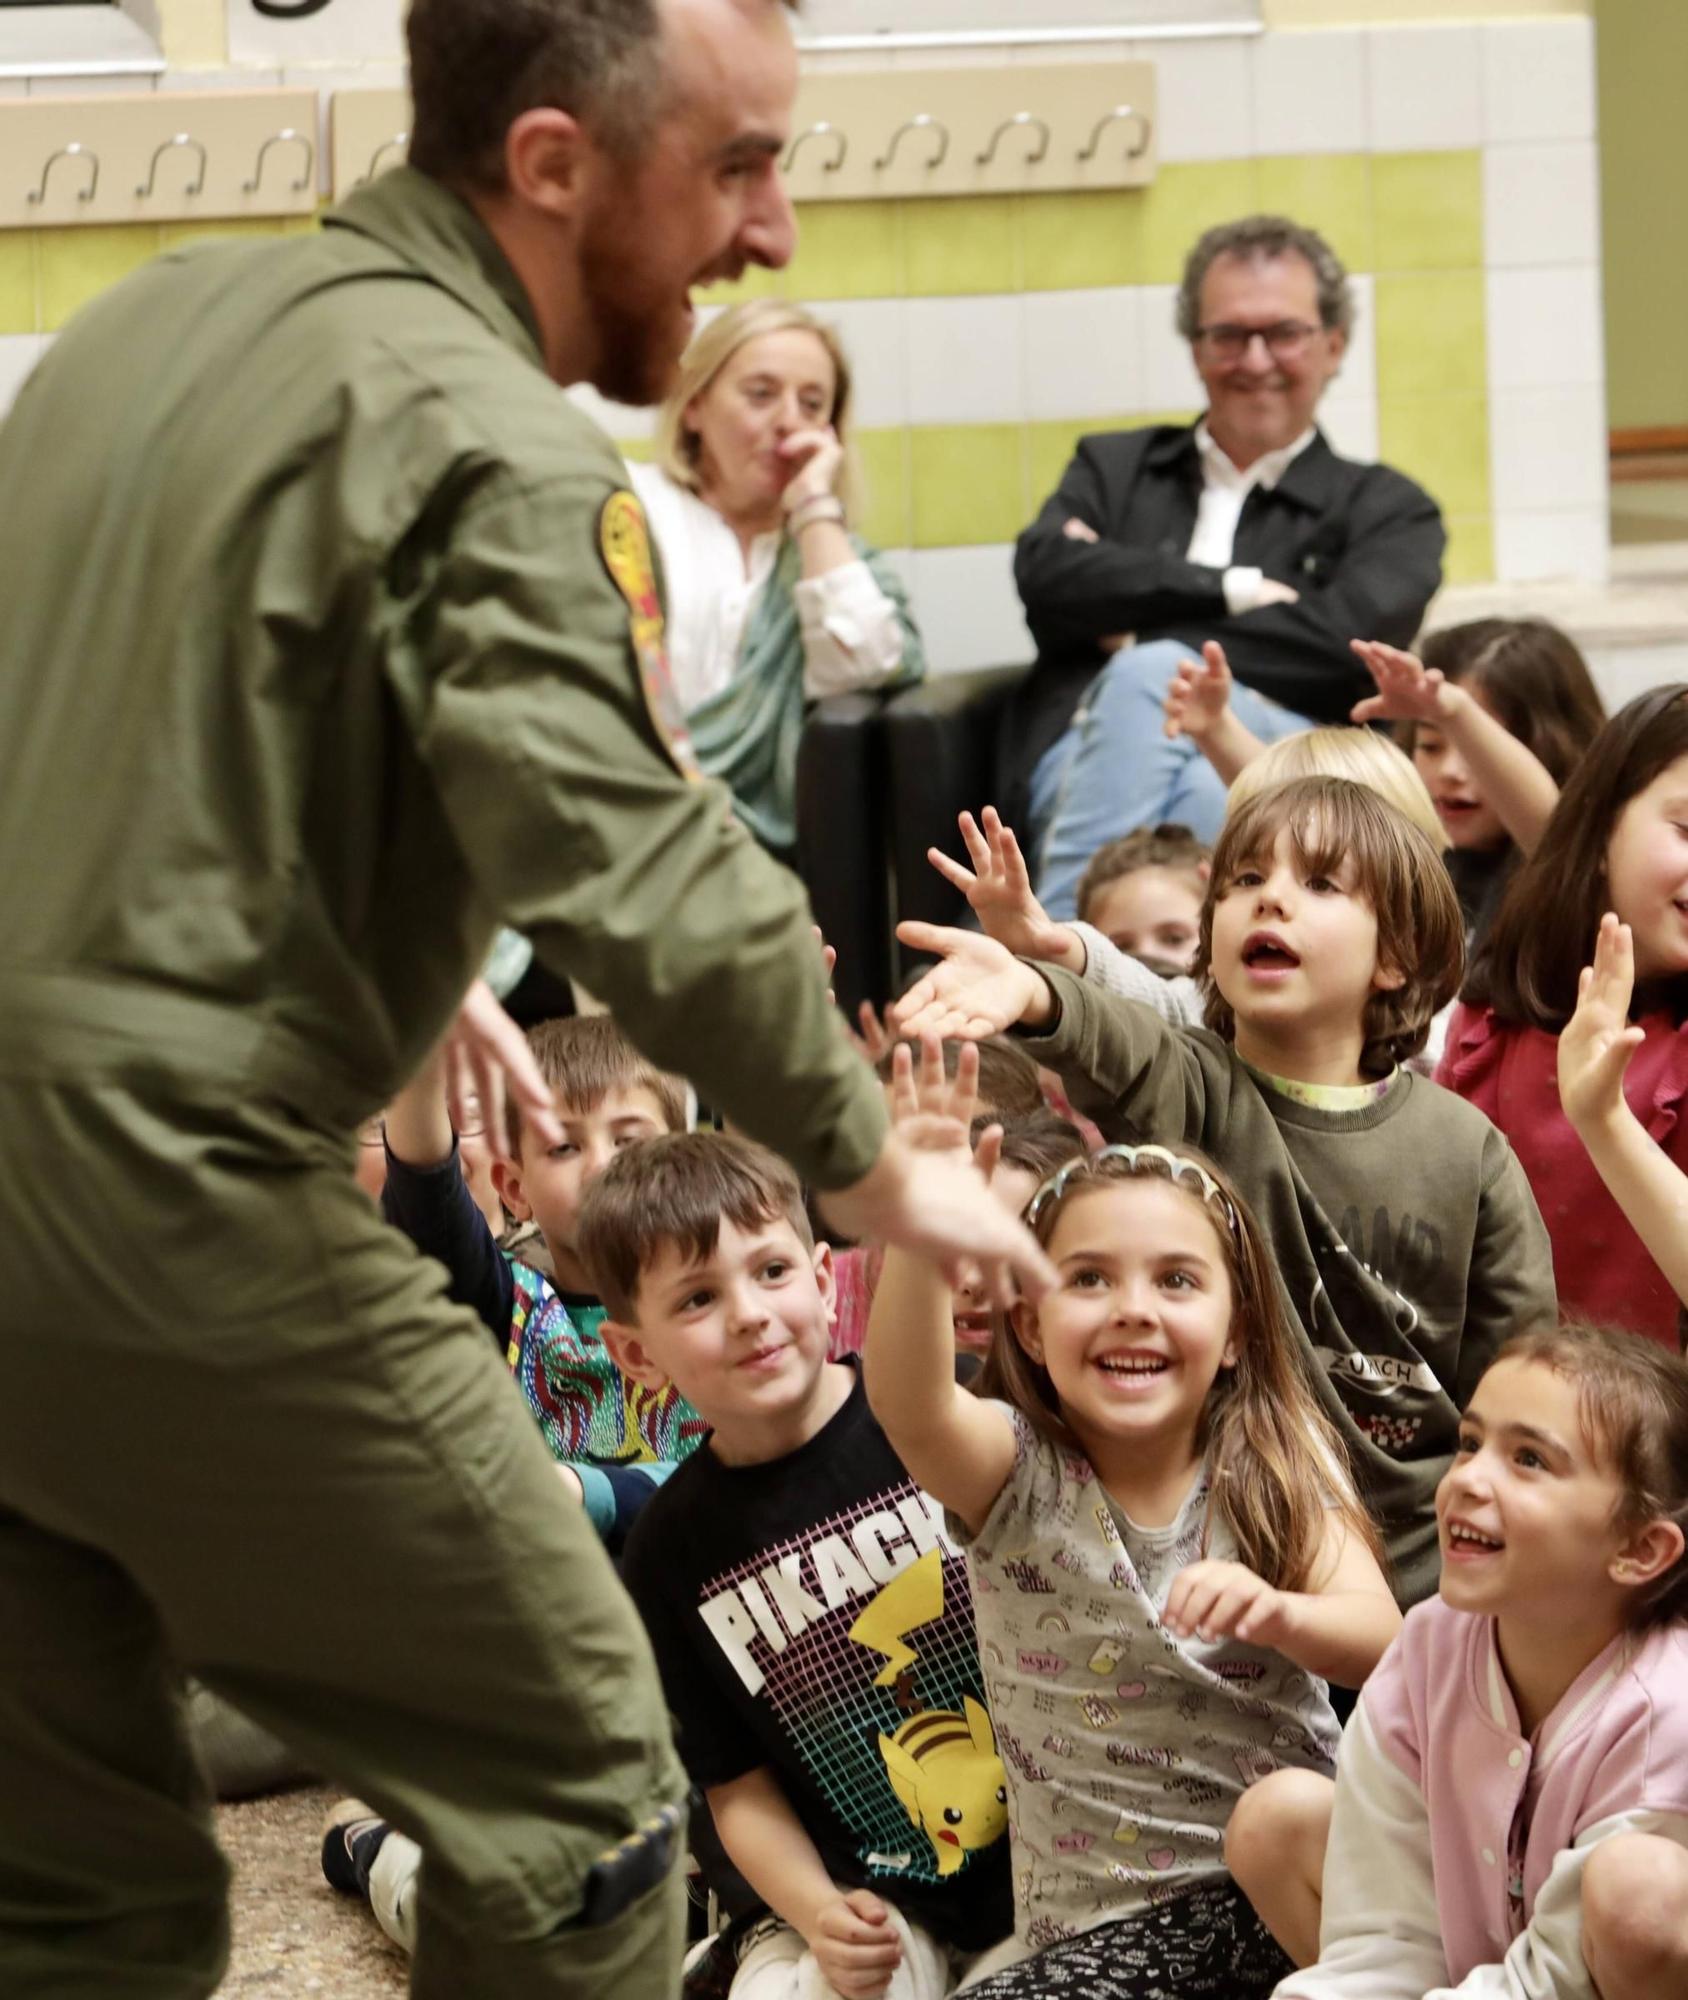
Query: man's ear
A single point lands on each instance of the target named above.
(826, 1279)
(547, 156)
(1645, 1556)
(1022, 1317)
(630, 1355)
(507, 1180)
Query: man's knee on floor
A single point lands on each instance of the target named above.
(1635, 1915)
(1283, 1818)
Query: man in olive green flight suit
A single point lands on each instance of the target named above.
(328, 639)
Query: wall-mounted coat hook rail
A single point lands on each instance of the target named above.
(821, 129)
(1121, 113)
(922, 121)
(932, 131)
(1022, 120)
(289, 135)
(195, 187)
(159, 157)
(73, 150)
(398, 143)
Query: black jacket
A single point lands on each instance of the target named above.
(1362, 545)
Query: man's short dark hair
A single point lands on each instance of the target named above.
(477, 65)
(1259, 237)
(678, 1190)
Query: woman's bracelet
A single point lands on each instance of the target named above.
(819, 507)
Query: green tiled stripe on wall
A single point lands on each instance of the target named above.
(1413, 220)
(1431, 335)
(1427, 209)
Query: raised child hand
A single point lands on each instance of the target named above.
(1199, 696)
(1407, 690)
(999, 888)
(1225, 1600)
(855, 1944)
(487, 1059)
(1598, 1040)
(976, 989)
(934, 1112)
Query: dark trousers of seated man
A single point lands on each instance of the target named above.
(254, 1440)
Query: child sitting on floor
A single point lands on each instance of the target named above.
(810, 1617)
(1402, 1228)
(613, 1438)
(1158, 1519)
(1511, 1807)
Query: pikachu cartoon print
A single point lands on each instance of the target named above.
(945, 1770)
(942, 1763)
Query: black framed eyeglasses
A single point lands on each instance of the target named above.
(1285, 339)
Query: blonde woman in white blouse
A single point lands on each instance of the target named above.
(772, 602)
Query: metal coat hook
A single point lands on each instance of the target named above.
(181, 139)
(396, 144)
(74, 151)
(922, 121)
(287, 136)
(822, 130)
(1008, 125)
(1119, 112)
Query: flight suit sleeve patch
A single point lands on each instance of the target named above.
(625, 543)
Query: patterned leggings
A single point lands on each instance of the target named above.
(1204, 1945)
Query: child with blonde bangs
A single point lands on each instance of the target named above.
(1158, 1523)
(1403, 1232)
(1510, 1814)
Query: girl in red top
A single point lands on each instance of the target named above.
(1618, 841)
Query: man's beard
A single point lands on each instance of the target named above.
(636, 357)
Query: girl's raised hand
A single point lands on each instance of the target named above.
(976, 989)
(1198, 697)
(1597, 1042)
(1225, 1600)
(1407, 690)
(934, 1112)
(999, 887)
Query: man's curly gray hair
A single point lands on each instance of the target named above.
(1264, 236)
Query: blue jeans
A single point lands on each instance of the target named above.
(1114, 770)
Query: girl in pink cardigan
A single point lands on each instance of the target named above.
(1617, 841)
(1509, 1819)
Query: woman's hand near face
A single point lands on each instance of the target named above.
(815, 457)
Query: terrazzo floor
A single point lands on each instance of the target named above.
(292, 1934)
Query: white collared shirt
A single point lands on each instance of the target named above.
(1224, 490)
(852, 637)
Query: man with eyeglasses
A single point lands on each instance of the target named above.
(1244, 528)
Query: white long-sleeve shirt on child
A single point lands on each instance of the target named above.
(1458, 1843)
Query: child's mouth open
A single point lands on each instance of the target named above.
(1266, 957)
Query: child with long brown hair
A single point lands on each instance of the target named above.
(1617, 843)
(1404, 1234)
(1511, 1813)
(1158, 1519)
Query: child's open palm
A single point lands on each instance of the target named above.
(1225, 1600)
(1597, 1042)
(999, 888)
(976, 989)
(934, 1112)
(1199, 695)
(1407, 690)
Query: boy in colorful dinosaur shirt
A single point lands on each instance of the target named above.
(614, 1439)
